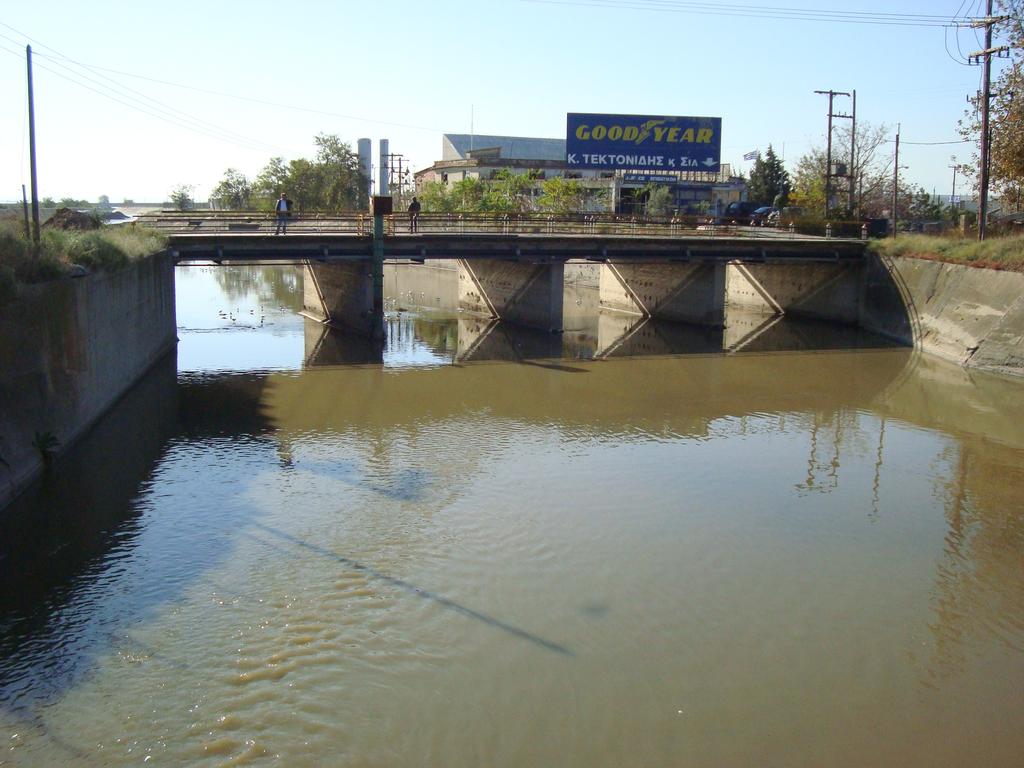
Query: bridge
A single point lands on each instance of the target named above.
(512, 266)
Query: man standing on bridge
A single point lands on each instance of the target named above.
(283, 208)
(414, 214)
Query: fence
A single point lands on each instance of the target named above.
(184, 222)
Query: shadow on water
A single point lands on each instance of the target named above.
(65, 528)
(75, 569)
(415, 590)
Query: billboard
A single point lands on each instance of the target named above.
(643, 142)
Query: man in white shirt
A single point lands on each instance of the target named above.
(283, 208)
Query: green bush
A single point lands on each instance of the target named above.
(93, 250)
(106, 249)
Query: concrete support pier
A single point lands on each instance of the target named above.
(517, 292)
(820, 291)
(680, 292)
(343, 294)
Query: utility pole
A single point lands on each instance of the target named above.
(984, 57)
(852, 171)
(24, 207)
(828, 153)
(32, 152)
(398, 173)
(952, 195)
(896, 183)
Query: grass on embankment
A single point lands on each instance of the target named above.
(104, 249)
(995, 253)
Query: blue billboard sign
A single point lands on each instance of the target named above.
(643, 142)
(645, 178)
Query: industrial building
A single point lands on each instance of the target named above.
(483, 157)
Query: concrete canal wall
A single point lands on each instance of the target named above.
(69, 350)
(971, 316)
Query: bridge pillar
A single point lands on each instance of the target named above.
(517, 292)
(692, 292)
(481, 338)
(821, 291)
(345, 294)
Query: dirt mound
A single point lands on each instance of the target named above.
(66, 218)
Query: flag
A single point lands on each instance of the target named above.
(751, 155)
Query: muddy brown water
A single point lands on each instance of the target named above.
(784, 544)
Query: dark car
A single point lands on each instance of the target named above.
(738, 212)
(759, 218)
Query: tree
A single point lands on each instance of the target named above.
(657, 199)
(872, 172)
(181, 197)
(768, 179)
(342, 182)
(332, 181)
(560, 195)
(270, 183)
(234, 191)
(303, 184)
(1006, 116)
(925, 207)
(510, 192)
(435, 197)
(468, 194)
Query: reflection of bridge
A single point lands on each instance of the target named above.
(513, 268)
(607, 335)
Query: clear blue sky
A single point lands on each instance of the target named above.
(410, 71)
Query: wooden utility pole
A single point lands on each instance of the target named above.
(952, 195)
(24, 208)
(984, 57)
(852, 170)
(828, 152)
(32, 151)
(896, 184)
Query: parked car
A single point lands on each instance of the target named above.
(760, 216)
(738, 212)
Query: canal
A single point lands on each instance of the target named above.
(632, 544)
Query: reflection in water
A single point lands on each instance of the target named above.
(444, 550)
(58, 540)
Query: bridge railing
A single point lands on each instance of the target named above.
(545, 224)
(258, 222)
(200, 222)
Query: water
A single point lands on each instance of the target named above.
(465, 549)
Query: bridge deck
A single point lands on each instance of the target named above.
(248, 236)
(247, 246)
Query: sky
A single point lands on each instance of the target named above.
(134, 99)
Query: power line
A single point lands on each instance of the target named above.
(98, 69)
(945, 39)
(170, 111)
(253, 144)
(157, 110)
(823, 12)
(763, 12)
(269, 103)
(930, 143)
